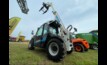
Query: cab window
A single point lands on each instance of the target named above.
(39, 32)
(45, 29)
(52, 30)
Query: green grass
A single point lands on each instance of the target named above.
(20, 55)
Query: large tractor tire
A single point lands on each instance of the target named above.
(55, 50)
(31, 44)
(79, 47)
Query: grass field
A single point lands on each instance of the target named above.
(20, 55)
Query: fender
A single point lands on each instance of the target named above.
(51, 37)
(82, 41)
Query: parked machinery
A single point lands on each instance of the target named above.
(80, 45)
(91, 37)
(53, 37)
(13, 22)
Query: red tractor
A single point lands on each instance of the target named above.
(80, 45)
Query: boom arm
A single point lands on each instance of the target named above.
(55, 14)
(23, 6)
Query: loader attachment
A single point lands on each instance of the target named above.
(23, 6)
(46, 6)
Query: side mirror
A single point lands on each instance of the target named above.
(75, 29)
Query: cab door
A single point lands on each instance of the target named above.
(38, 36)
(45, 33)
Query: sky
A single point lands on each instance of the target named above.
(82, 14)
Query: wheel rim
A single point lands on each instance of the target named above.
(78, 48)
(53, 49)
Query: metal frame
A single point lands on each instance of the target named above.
(23, 6)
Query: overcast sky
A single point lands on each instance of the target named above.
(82, 14)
